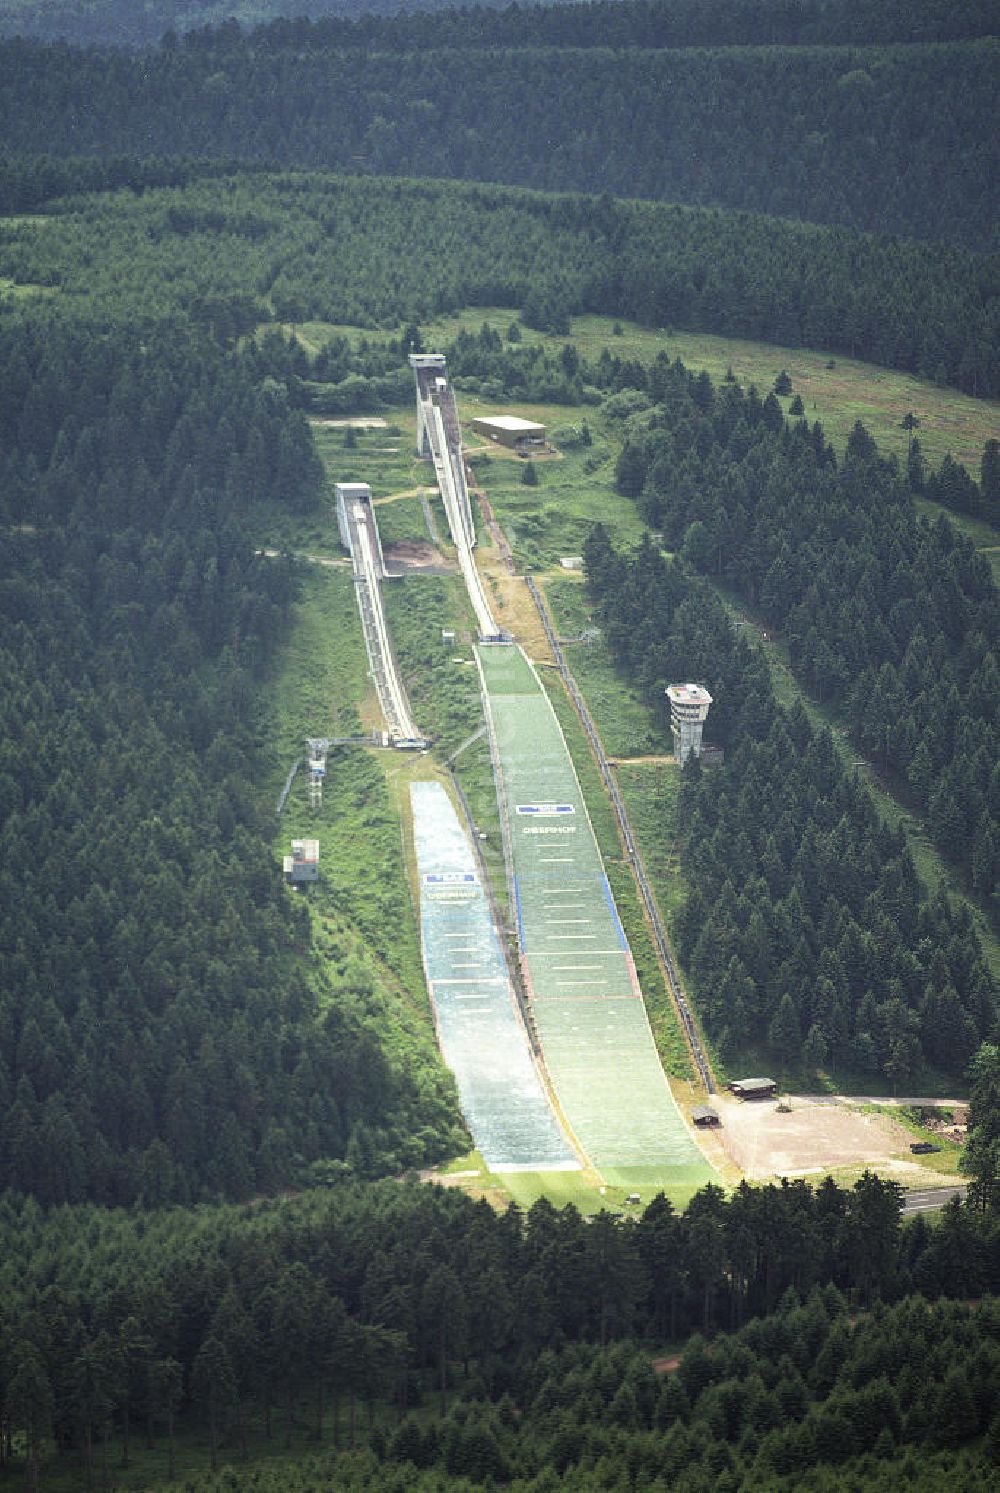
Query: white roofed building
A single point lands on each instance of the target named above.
(511, 430)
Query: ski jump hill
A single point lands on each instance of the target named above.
(584, 997)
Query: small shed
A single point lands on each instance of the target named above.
(754, 1088)
(511, 430)
(705, 1116)
(303, 863)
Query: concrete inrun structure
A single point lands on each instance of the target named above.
(522, 436)
(303, 863)
(689, 704)
(359, 534)
(439, 436)
(430, 372)
(347, 494)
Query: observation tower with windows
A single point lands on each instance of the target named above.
(689, 705)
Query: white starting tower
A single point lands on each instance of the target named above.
(431, 380)
(689, 705)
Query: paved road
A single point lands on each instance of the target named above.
(928, 1199)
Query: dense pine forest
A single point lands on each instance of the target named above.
(853, 142)
(656, 23)
(509, 1347)
(234, 251)
(213, 1242)
(806, 922)
(162, 1037)
(895, 619)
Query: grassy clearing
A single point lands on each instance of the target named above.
(583, 1190)
(14, 290)
(834, 390)
(945, 1159)
(386, 459)
(650, 791)
(984, 536)
(835, 395)
(323, 673)
(553, 519)
(400, 520)
(626, 723)
(386, 472)
(440, 675)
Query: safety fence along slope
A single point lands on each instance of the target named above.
(482, 1037)
(439, 436)
(628, 840)
(584, 994)
(359, 534)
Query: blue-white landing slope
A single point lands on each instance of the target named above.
(482, 1037)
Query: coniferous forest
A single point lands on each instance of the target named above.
(213, 1242)
(236, 250)
(846, 147)
(160, 1039)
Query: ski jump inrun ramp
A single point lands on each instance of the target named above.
(439, 436)
(359, 534)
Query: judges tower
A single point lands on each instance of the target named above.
(688, 708)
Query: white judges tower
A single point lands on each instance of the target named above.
(688, 708)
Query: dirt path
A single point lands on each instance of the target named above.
(898, 1103)
(332, 560)
(410, 492)
(649, 760)
(359, 422)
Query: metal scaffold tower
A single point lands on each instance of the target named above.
(317, 748)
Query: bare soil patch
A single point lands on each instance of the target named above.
(416, 554)
(517, 611)
(812, 1137)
